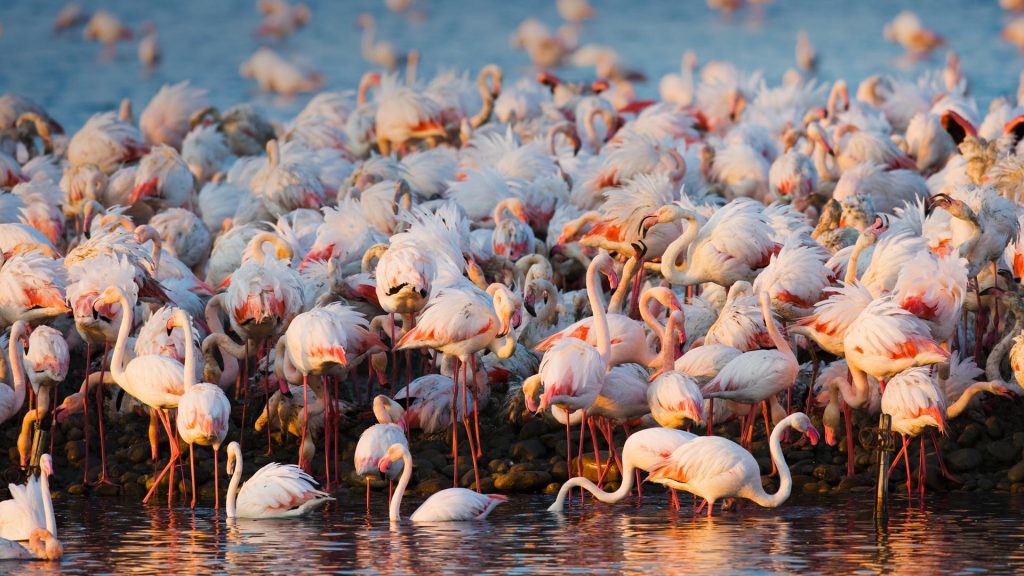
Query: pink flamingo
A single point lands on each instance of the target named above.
(274, 491)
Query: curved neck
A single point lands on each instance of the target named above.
(667, 354)
(851, 264)
(117, 362)
(44, 489)
(236, 478)
(597, 306)
(648, 317)
(785, 479)
(992, 371)
(190, 354)
(769, 321)
(396, 499)
(549, 313)
(486, 96)
(16, 353)
(606, 497)
(679, 273)
(856, 395)
(826, 172)
(957, 408)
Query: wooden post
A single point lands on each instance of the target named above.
(884, 453)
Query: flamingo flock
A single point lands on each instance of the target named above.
(441, 250)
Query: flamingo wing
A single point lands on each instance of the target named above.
(455, 505)
(275, 490)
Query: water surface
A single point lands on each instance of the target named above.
(951, 533)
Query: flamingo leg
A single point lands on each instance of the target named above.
(216, 478)
(455, 428)
(472, 454)
(327, 433)
(675, 499)
(174, 454)
(921, 470)
(99, 415)
(568, 449)
(192, 468)
(767, 432)
(848, 420)
(814, 378)
(906, 460)
(579, 456)
(85, 416)
(711, 417)
(53, 408)
(305, 417)
(367, 495)
(977, 323)
(266, 391)
(476, 415)
(154, 434)
(901, 454)
(942, 461)
(597, 453)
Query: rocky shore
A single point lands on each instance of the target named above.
(984, 449)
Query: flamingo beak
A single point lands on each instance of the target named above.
(383, 465)
(812, 435)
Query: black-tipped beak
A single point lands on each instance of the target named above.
(644, 226)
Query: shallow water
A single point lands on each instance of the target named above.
(952, 533)
(206, 41)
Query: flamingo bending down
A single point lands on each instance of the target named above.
(448, 505)
(375, 441)
(204, 412)
(714, 467)
(41, 546)
(642, 450)
(274, 491)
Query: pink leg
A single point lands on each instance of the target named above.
(942, 463)
(367, 496)
(675, 499)
(848, 419)
(455, 426)
(85, 415)
(711, 417)
(216, 478)
(327, 433)
(597, 453)
(476, 416)
(579, 456)
(906, 460)
(901, 454)
(305, 418)
(99, 416)
(173, 457)
(921, 470)
(767, 431)
(192, 468)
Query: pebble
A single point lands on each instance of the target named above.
(76, 489)
(994, 427)
(529, 449)
(521, 481)
(970, 435)
(1016, 474)
(964, 459)
(1003, 451)
(432, 485)
(828, 474)
(591, 469)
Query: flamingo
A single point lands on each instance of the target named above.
(642, 450)
(673, 396)
(107, 140)
(759, 375)
(204, 412)
(32, 286)
(713, 467)
(30, 507)
(155, 380)
(448, 505)
(382, 54)
(47, 362)
(907, 30)
(274, 491)
(12, 399)
(375, 441)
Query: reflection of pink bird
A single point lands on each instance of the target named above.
(713, 467)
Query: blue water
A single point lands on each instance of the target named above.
(205, 41)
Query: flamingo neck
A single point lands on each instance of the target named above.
(44, 493)
(396, 499)
(648, 317)
(600, 318)
(666, 356)
(957, 408)
(856, 395)
(117, 361)
(851, 265)
(828, 173)
(680, 273)
(1001, 348)
(606, 497)
(758, 494)
(773, 331)
(236, 478)
(190, 355)
(16, 352)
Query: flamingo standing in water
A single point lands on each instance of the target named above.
(204, 412)
(448, 505)
(155, 380)
(375, 441)
(642, 450)
(47, 362)
(713, 467)
(460, 321)
(30, 506)
(274, 491)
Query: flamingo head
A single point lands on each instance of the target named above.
(802, 423)
(605, 265)
(394, 454)
(46, 464)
